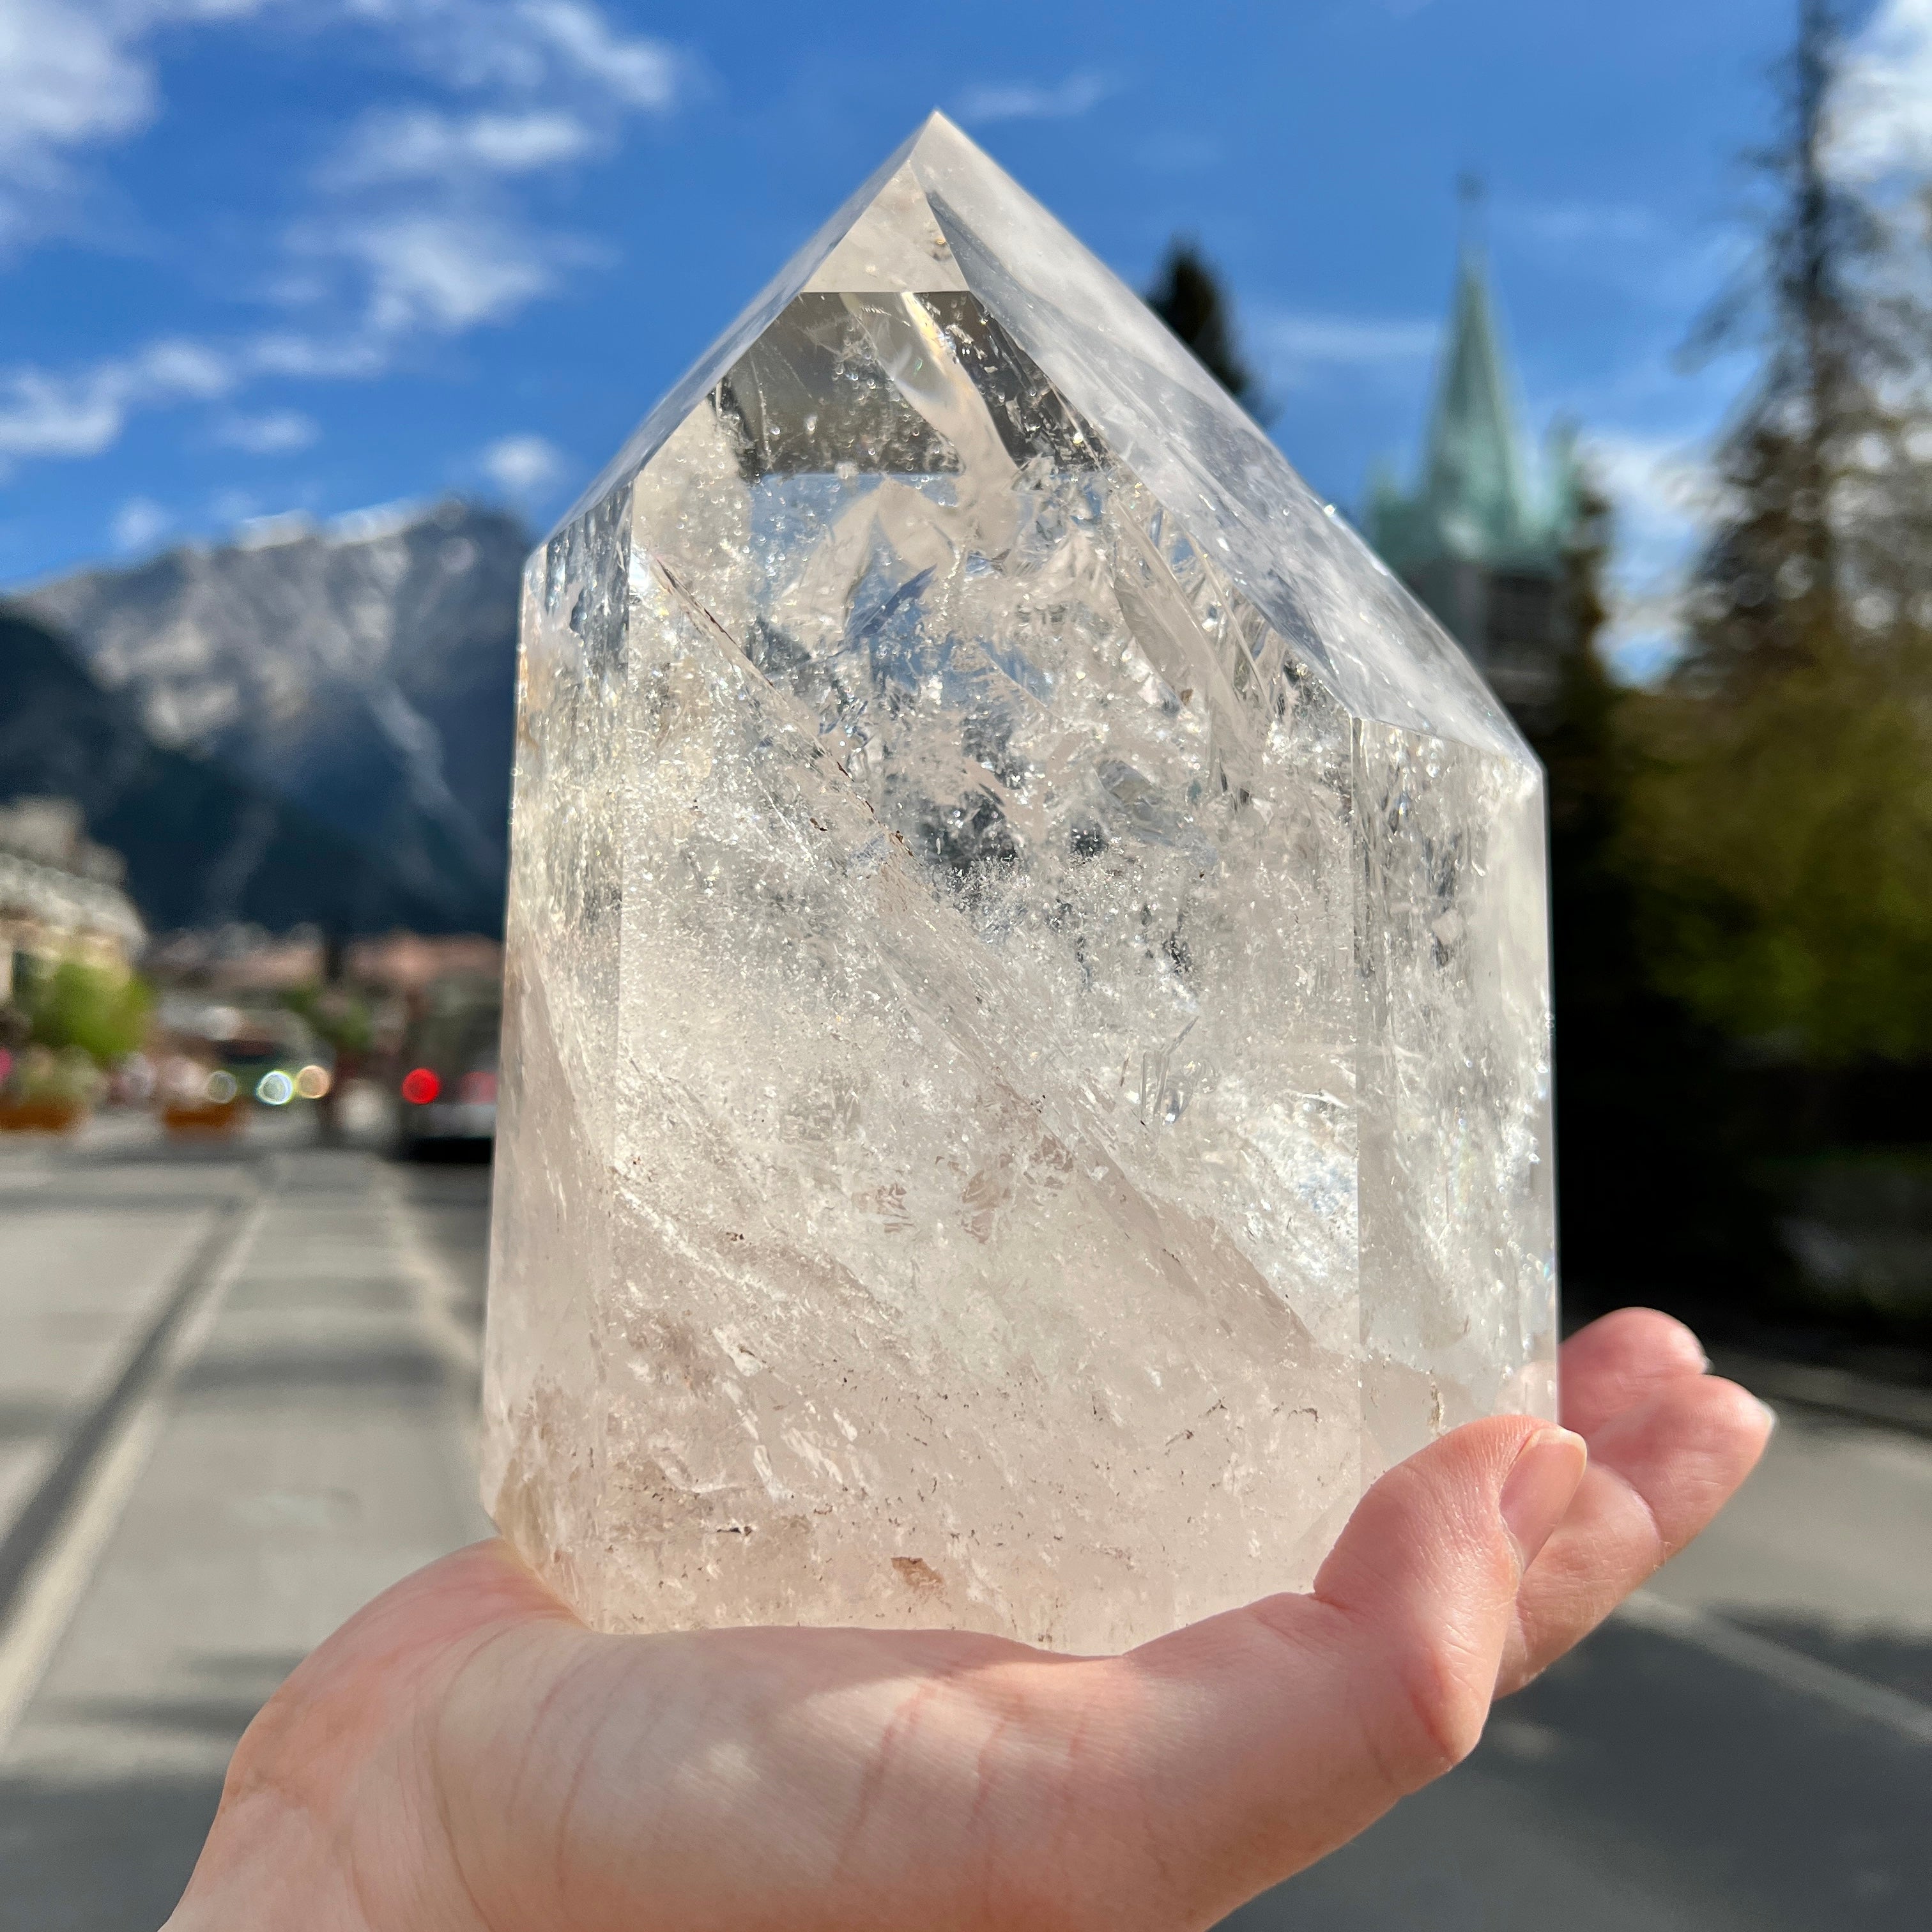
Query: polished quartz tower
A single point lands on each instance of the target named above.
(1026, 1070)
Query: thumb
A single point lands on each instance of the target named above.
(1276, 1732)
(1424, 1580)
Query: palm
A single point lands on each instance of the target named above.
(465, 1755)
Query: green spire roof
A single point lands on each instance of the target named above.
(1474, 466)
(1475, 501)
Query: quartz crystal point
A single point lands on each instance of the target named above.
(1026, 1078)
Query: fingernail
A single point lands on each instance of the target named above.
(1538, 1488)
(1770, 1414)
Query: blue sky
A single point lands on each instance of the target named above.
(266, 256)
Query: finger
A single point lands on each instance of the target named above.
(1658, 1473)
(1272, 1734)
(1621, 1360)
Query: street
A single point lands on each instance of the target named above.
(235, 1391)
(304, 1449)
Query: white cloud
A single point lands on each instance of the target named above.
(421, 228)
(422, 144)
(425, 279)
(639, 72)
(45, 415)
(185, 369)
(526, 46)
(1661, 485)
(1881, 111)
(1293, 345)
(1631, 249)
(1570, 224)
(337, 356)
(48, 414)
(416, 229)
(67, 78)
(524, 466)
(76, 74)
(1025, 100)
(1330, 338)
(440, 273)
(1661, 490)
(278, 432)
(138, 522)
(82, 413)
(68, 81)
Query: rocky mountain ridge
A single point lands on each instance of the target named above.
(362, 672)
(202, 847)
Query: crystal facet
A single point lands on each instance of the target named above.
(1026, 1075)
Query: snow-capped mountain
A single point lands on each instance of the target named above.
(364, 670)
(203, 848)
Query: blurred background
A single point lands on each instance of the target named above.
(1611, 328)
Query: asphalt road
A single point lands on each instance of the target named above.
(234, 1392)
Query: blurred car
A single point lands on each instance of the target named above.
(274, 1057)
(218, 1062)
(197, 1100)
(446, 1086)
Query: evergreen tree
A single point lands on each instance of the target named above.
(1783, 798)
(1654, 1156)
(1188, 297)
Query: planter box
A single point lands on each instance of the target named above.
(202, 1116)
(41, 1117)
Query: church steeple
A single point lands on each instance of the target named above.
(1477, 540)
(1473, 474)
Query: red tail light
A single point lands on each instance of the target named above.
(420, 1086)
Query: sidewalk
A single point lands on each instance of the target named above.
(89, 1252)
(311, 1452)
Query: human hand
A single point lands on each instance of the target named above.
(463, 1755)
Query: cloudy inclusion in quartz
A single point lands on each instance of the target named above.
(1026, 1077)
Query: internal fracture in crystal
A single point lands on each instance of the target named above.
(1026, 1081)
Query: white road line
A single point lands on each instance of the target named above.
(52, 1589)
(438, 1289)
(1791, 1669)
(436, 1292)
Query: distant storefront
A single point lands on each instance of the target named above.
(61, 896)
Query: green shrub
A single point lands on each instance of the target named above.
(103, 1014)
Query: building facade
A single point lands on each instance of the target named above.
(60, 893)
(1477, 539)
